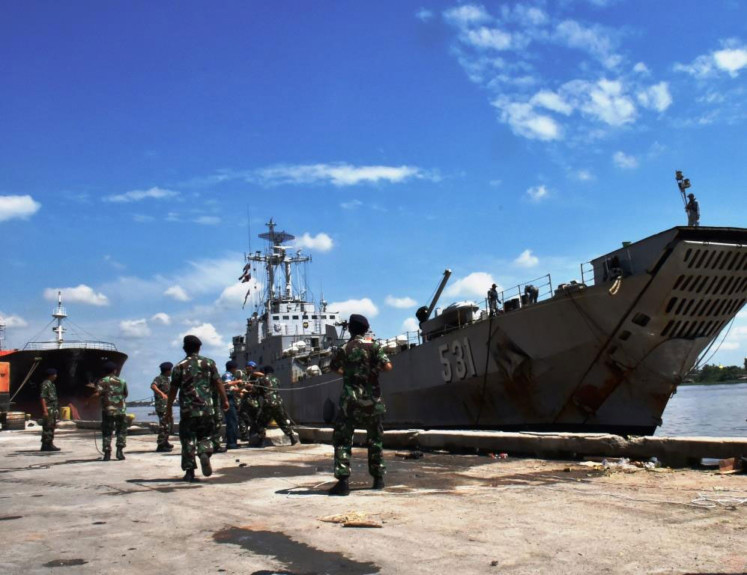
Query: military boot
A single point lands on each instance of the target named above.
(189, 476)
(293, 439)
(341, 487)
(120, 455)
(207, 470)
(378, 483)
(107, 455)
(53, 447)
(162, 449)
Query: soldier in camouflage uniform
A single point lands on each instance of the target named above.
(271, 408)
(359, 361)
(216, 436)
(249, 406)
(50, 410)
(160, 386)
(195, 378)
(113, 392)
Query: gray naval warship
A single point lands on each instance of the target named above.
(603, 354)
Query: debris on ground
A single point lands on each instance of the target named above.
(409, 454)
(730, 465)
(352, 519)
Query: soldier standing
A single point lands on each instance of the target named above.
(195, 378)
(693, 211)
(359, 361)
(50, 410)
(493, 300)
(230, 380)
(113, 392)
(160, 386)
(271, 408)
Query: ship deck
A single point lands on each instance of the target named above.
(441, 513)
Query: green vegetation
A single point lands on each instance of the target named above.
(710, 374)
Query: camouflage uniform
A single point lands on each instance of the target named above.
(249, 407)
(215, 436)
(113, 391)
(165, 427)
(360, 404)
(232, 418)
(272, 408)
(49, 422)
(194, 377)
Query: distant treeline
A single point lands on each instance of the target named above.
(717, 374)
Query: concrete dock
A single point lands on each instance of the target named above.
(266, 511)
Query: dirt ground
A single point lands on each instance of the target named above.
(266, 511)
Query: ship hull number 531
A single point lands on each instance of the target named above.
(456, 360)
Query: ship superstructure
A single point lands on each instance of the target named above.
(287, 329)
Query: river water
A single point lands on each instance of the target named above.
(707, 410)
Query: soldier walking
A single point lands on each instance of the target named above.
(194, 379)
(50, 410)
(113, 392)
(271, 408)
(359, 361)
(160, 386)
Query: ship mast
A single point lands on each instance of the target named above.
(275, 256)
(59, 314)
(2, 333)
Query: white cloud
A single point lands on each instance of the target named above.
(138, 195)
(80, 294)
(526, 259)
(731, 60)
(475, 284)
(177, 292)
(641, 68)
(607, 101)
(12, 321)
(21, 207)
(234, 295)
(320, 242)
(207, 220)
(400, 302)
(551, 101)
(656, 97)
(584, 175)
(488, 38)
(525, 121)
(339, 174)
(424, 14)
(362, 306)
(624, 161)
(162, 318)
(208, 335)
(410, 324)
(595, 40)
(351, 205)
(466, 14)
(538, 193)
(134, 328)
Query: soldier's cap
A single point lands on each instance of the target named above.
(231, 364)
(166, 365)
(494, 285)
(50, 371)
(690, 195)
(251, 364)
(192, 341)
(358, 324)
(109, 366)
(268, 369)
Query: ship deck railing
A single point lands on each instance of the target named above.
(542, 283)
(47, 345)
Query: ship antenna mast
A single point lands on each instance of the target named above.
(2, 333)
(59, 314)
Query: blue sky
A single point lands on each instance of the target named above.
(142, 142)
